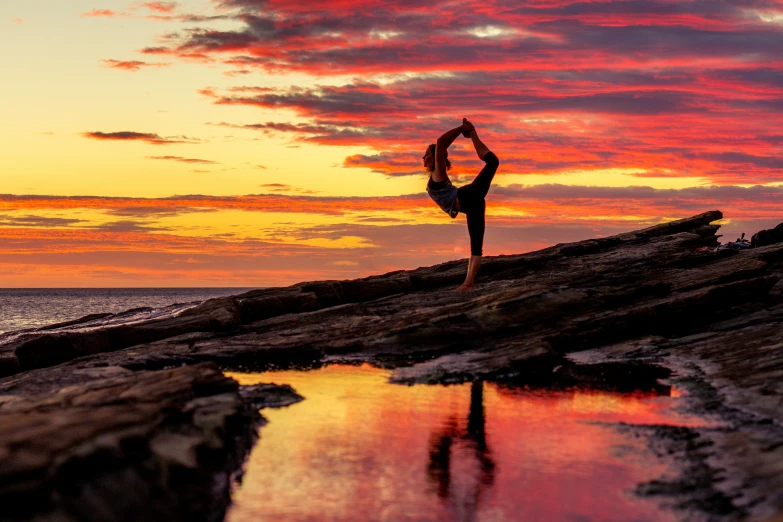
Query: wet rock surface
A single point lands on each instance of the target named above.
(269, 395)
(599, 310)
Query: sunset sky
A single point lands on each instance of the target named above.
(265, 142)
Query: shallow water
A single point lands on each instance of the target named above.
(359, 448)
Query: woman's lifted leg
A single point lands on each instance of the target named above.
(471, 202)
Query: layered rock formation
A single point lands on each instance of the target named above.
(709, 319)
(121, 445)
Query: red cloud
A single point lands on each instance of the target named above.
(132, 66)
(316, 38)
(666, 88)
(154, 139)
(669, 132)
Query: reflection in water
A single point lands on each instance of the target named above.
(359, 448)
(439, 468)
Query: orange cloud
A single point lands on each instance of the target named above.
(182, 204)
(512, 205)
(67, 257)
(161, 7)
(48, 241)
(132, 65)
(98, 13)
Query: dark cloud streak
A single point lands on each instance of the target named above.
(184, 160)
(151, 138)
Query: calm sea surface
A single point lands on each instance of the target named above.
(36, 307)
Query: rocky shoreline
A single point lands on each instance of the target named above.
(136, 421)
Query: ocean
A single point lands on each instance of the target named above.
(25, 308)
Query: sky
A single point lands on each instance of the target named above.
(266, 142)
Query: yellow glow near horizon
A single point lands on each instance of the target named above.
(615, 177)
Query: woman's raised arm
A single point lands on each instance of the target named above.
(443, 143)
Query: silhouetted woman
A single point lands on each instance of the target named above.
(468, 199)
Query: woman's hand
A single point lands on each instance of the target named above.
(467, 127)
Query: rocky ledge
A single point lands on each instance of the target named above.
(95, 425)
(115, 444)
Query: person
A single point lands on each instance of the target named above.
(468, 199)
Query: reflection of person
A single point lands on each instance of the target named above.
(468, 199)
(439, 468)
(477, 435)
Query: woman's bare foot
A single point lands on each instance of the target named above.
(473, 267)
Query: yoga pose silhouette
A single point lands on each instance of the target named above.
(468, 199)
(445, 445)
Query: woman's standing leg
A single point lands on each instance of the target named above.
(476, 226)
(474, 209)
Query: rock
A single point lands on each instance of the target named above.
(220, 312)
(125, 445)
(81, 320)
(682, 225)
(269, 395)
(9, 364)
(767, 237)
(370, 288)
(51, 347)
(266, 304)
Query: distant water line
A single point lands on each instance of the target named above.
(24, 308)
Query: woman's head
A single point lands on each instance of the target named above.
(429, 158)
